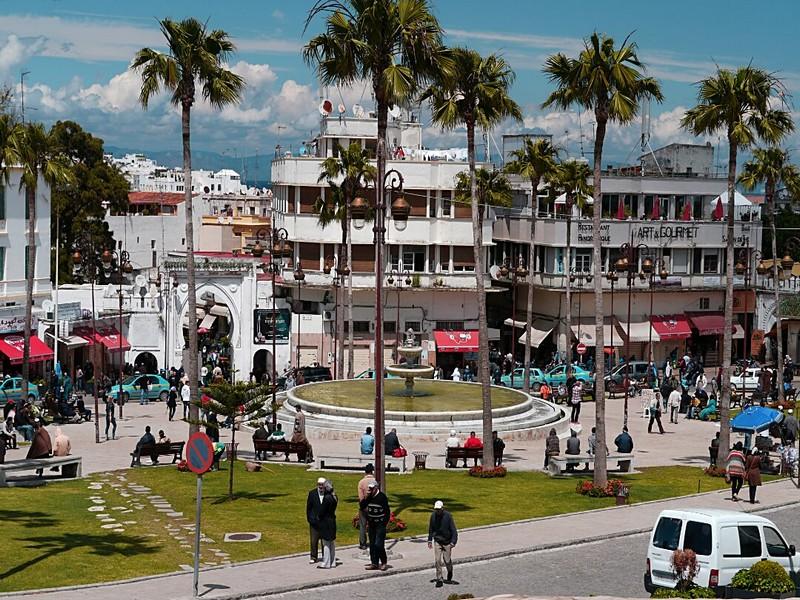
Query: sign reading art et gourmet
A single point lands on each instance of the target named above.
(665, 233)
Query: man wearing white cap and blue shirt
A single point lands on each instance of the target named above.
(442, 537)
(313, 506)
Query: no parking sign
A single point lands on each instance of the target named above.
(199, 457)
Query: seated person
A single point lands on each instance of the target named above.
(23, 422)
(545, 391)
(84, 412)
(694, 408)
(573, 447)
(391, 443)
(278, 435)
(306, 456)
(473, 441)
(41, 446)
(219, 449)
(259, 435)
(162, 437)
(367, 442)
(62, 444)
(453, 442)
(709, 410)
(7, 434)
(146, 441)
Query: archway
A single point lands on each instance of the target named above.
(146, 363)
(262, 365)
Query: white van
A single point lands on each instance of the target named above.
(725, 542)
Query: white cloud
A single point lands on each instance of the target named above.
(120, 94)
(16, 51)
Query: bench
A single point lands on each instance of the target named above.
(454, 454)
(558, 464)
(261, 447)
(154, 451)
(70, 466)
(357, 463)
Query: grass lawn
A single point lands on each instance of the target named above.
(49, 538)
(442, 396)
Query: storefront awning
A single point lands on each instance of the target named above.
(207, 322)
(738, 332)
(708, 323)
(456, 341)
(220, 310)
(12, 345)
(70, 341)
(641, 331)
(587, 330)
(512, 323)
(671, 327)
(540, 329)
(109, 338)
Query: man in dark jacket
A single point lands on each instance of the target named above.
(442, 537)
(376, 507)
(390, 442)
(313, 507)
(624, 441)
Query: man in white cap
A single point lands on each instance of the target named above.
(442, 537)
(453, 442)
(313, 505)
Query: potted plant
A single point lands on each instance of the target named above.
(765, 579)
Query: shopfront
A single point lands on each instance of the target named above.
(455, 349)
(12, 342)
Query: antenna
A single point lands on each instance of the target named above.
(580, 131)
(22, 92)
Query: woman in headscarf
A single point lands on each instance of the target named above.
(327, 526)
(41, 446)
(62, 444)
(552, 447)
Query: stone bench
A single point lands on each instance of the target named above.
(353, 463)
(558, 464)
(70, 467)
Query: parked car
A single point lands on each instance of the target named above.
(537, 378)
(616, 379)
(11, 389)
(157, 388)
(558, 376)
(370, 374)
(747, 379)
(725, 541)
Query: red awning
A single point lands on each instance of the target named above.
(110, 338)
(671, 327)
(708, 323)
(456, 341)
(12, 346)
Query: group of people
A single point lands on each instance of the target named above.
(473, 441)
(374, 514)
(391, 443)
(552, 448)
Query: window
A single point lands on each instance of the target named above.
(775, 544)
(414, 258)
(446, 204)
(415, 326)
(2, 203)
(583, 260)
(450, 325)
(432, 207)
(668, 533)
(710, 261)
(389, 327)
(680, 261)
(704, 303)
(749, 541)
(358, 326)
(697, 538)
(183, 241)
(155, 259)
(2, 263)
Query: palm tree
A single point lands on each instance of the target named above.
(196, 57)
(35, 151)
(609, 81)
(536, 162)
(571, 176)
(395, 45)
(475, 93)
(771, 165)
(739, 103)
(492, 188)
(345, 176)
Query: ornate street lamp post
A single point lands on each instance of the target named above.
(340, 272)
(515, 274)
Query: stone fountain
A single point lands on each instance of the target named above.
(411, 368)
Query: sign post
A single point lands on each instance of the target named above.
(199, 457)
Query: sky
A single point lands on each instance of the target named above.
(76, 55)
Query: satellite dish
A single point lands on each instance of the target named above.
(394, 111)
(325, 108)
(47, 305)
(140, 280)
(494, 272)
(358, 111)
(342, 109)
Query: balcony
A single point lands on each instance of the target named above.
(421, 281)
(557, 281)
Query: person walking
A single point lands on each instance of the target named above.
(376, 506)
(575, 401)
(363, 491)
(327, 526)
(442, 537)
(735, 467)
(313, 508)
(172, 402)
(655, 413)
(186, 399)
(752, 473)
(674, 405)
(110, 418)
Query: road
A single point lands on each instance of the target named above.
(609, 568)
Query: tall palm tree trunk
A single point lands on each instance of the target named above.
(600, 467)
(526, 381)
(190, 274)
(30, 270)
(727, 337)
(350, 349)
(483, 329)
(778, 333)
(567, 269)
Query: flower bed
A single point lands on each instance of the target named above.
(182, 466)
(715, 471)
(612, 488)
(479, 471)
(394, 524)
